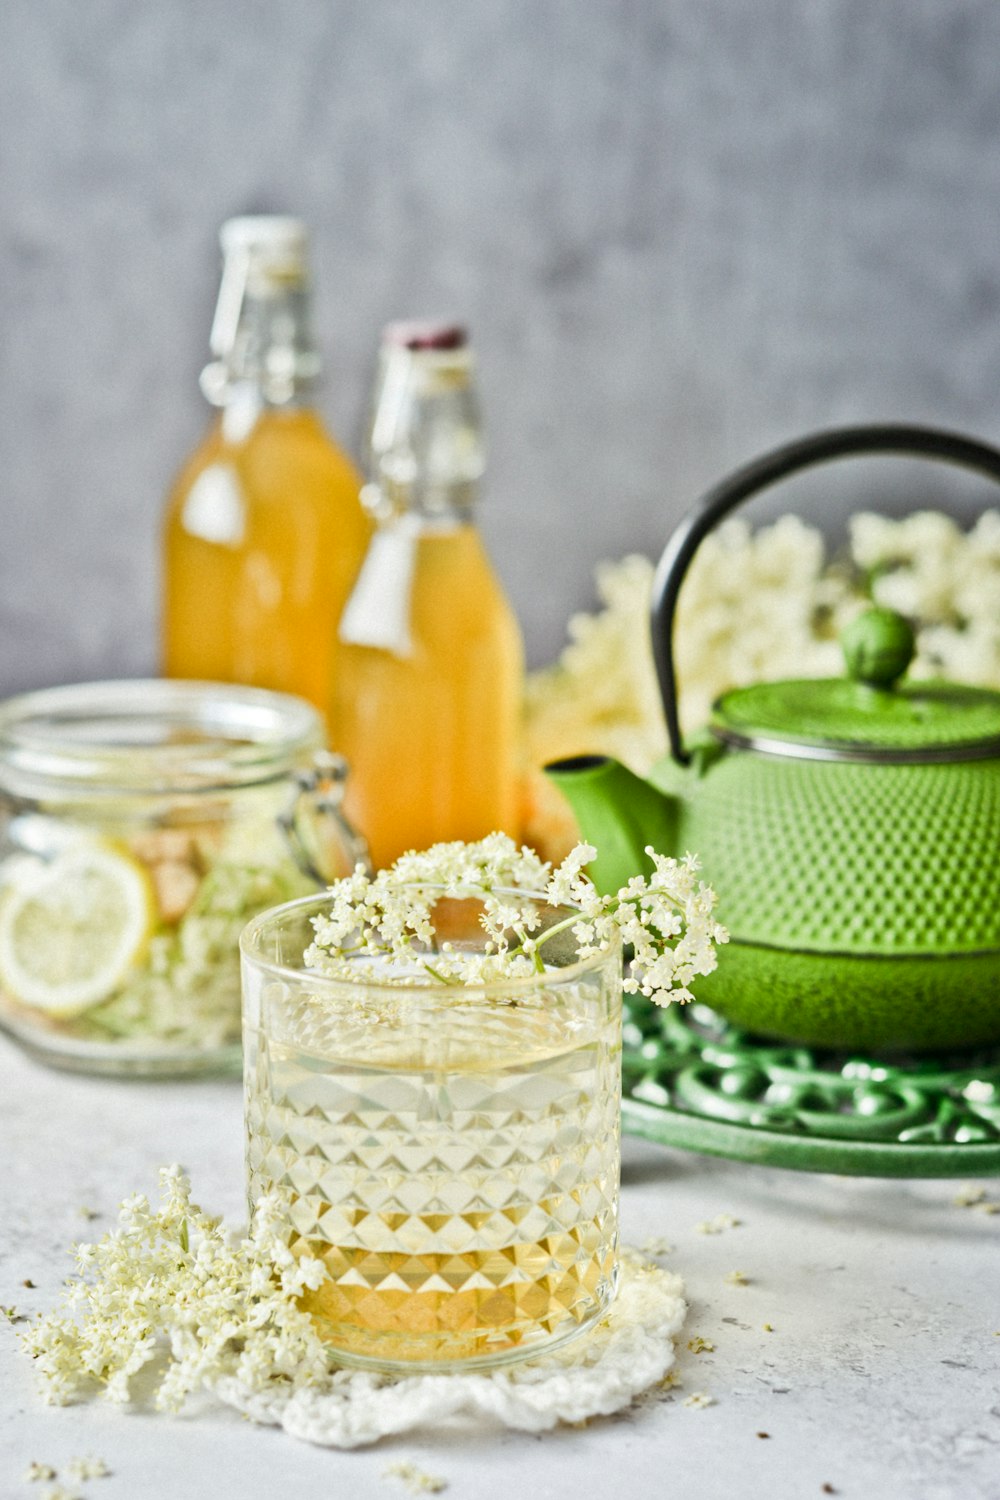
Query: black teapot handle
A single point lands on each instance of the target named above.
(750, 480)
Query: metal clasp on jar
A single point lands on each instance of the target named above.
(324, 844)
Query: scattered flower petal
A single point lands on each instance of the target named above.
(969, 1194)
(656, 1246)
(698, 1400)
(417, 1481)
(36, 1471)
(87, 1467)
(717, 1225)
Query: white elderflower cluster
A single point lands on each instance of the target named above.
(387, 921)
(945, 580)
(188, 990)
(602, 692)
(172, 1283)
(757, 606)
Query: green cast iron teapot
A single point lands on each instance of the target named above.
(851, 827)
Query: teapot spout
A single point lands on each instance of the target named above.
(618, 813)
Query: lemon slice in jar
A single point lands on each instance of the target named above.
(71, 929)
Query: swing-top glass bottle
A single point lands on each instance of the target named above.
(429, 680)
(264, 531)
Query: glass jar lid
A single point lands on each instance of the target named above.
(868, 715)
(152, 736)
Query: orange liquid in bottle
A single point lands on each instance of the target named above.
(264, 535)
(431, 727)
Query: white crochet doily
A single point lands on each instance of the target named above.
(630, 1351)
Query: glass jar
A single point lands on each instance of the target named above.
(448, 1151)
(141, 825)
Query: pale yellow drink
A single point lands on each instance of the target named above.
(450, 1155)
(431, 732)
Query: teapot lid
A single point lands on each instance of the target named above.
(869, 715)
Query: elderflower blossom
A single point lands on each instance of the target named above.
(173, 1282)
(665, 918)
(416, 1480)
(947, 581)
(698, 1401)
(698, 1345)
(754, 606)
(86, 1468)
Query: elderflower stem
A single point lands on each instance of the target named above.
(440, 975)
(543, 937)
(613, 905)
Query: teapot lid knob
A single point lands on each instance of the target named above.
(878, 647)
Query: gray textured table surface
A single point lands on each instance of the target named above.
(880, 1377)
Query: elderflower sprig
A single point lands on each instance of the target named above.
(174, 1281)
(665, 918)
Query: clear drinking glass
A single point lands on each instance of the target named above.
(450, 1152)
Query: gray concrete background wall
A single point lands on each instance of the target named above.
(681, 231)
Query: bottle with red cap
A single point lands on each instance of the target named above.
(264, 531)
(428, 687)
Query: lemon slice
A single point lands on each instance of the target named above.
(71, 929)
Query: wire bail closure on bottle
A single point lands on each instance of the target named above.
(264, 259)
(324, 844)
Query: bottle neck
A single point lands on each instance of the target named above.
(261, 337)
(425, 447)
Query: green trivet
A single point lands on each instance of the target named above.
(692, 1080)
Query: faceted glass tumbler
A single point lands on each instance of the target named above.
(449, 1152)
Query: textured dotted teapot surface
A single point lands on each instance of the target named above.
(835, 857)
